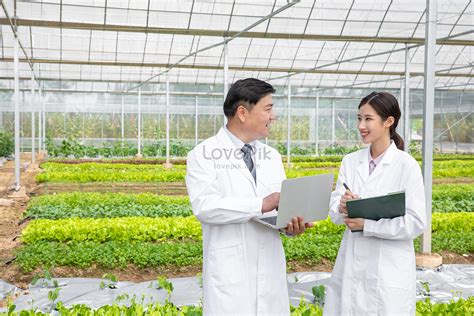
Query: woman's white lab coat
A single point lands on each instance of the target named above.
(375, 270)
(244, 268)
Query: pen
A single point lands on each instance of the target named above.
(345, 186)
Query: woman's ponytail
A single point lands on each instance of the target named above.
(397, 139)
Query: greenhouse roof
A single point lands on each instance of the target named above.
(324, 43)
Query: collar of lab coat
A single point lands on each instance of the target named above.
(363, 166)
(226, 143)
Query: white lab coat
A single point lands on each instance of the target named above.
(375, 270)
(244, 268)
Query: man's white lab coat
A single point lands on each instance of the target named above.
(375, 271)
(244, 268)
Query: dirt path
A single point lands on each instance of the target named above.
(12, 214)
(165, 188)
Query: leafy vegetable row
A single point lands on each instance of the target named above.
(423, 307)
(107, 229)
(99, 205)
(446, 198)
(103, 172)
(155, 229)
(307, 248)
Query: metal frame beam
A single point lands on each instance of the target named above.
(224, 42)
(222, 33)
(236, 68)
(365, 56)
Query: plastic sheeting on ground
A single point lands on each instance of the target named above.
(7, 290)
(444, 283)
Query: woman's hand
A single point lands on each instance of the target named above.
(354, 223)
(348, 195)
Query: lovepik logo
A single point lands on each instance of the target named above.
(236, 153)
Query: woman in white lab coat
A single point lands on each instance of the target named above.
(375, 271)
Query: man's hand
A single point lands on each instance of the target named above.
(348, 195)
(270, 202)
(297, 226)
(354, 223)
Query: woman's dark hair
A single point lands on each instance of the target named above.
(247, 91)
(385, 104)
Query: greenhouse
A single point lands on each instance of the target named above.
(104, 104)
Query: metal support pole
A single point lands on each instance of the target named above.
(406, 102)
(16, 71)
(167, 119)
(317, 124)
(139, 120)
(44, 123)
(333, 125)
(441, 119)
(83, 123)
(83, 118)
(288, 136)
(428, 113)
(196, 121)
(122, 122)
(40, 121)
(33, 127)
(226, 75)
(102, 127)
(401, 123)
(64, 125)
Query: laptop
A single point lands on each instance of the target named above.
(306, 196)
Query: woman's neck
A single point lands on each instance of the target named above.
(379, 147)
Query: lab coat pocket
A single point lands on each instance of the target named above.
(396, 268)
(226, 263)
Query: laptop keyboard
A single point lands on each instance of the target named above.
(271, 220)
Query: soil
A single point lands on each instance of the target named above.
(167, 188)
(453, 180)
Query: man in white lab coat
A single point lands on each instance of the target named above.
(231, 178)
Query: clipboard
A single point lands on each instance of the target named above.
(384, 206)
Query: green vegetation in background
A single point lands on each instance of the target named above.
(294, 159)
(94, 172)
(446, 198)
(460, 306)
(297, 173)
(296, 150)
(102, 205)
(453, 198)
(132, 229)
(453, 169)
(453, 307)
(107, 167)
(110, 254)
(155, 229)
(116, 172)
(126, 160)
(451, 231)
(460, 222)
(118, 254)
(6, 145)
(72, 147)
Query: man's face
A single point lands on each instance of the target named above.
(258, 119)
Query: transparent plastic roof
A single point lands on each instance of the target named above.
(324, 43)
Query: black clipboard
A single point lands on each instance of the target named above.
(384, 206)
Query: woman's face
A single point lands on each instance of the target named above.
(371, 126)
